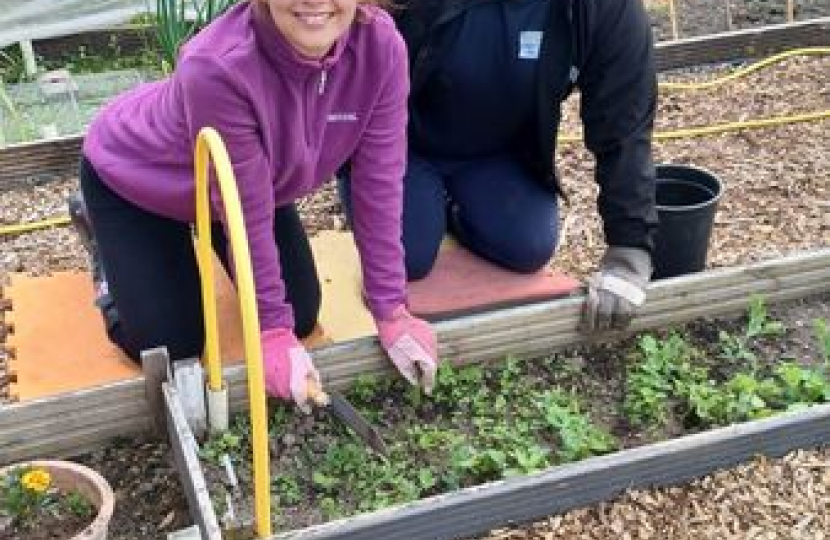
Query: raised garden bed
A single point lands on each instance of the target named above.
(774, 205)
(514, 418)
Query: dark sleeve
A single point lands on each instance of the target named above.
(618, 84)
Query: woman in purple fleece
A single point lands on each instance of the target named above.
(296, 88)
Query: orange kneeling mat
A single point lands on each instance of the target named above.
(462, 284)
(61, 345)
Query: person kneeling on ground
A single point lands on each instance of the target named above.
(295, 89)
(488, 81)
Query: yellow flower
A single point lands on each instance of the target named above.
(37, 480)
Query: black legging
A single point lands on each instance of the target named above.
(153, 278)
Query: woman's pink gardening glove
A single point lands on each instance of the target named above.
(412, 347)
(287, 366)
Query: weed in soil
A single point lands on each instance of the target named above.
(485, 423)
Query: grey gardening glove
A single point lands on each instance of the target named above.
(617, 289)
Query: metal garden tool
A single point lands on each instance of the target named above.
(338, 405)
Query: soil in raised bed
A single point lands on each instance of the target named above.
(518, 416)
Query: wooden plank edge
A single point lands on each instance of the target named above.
(480, 509)
(342, 363)
(72, 442)
(69, 403)
(185, 450)
(741, 44)
(754, 42)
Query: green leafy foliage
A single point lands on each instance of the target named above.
(823, 336)
(670, 378)
(484, 423)
(27, 494)
(488, 422)
(760, 323)
(661, 370)
(219, 444)
(174, 27)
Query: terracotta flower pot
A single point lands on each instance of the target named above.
(88, 483)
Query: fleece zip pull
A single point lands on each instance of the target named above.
(321, 87)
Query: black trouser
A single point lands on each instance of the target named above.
(153, 278)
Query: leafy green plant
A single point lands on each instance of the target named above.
(736, 348)
(219, 444)
(578, 436)
(759, 323)
(174, 26)
(78, 505)
(800, 384)
(823, 336)
(287, 489)
(662, 369)
(27, 493)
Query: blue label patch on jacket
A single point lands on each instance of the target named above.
(530, 43)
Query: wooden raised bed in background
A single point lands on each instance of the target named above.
(59, 157)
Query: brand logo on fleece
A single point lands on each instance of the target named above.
(342, 117)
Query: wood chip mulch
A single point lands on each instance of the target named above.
(780, 499)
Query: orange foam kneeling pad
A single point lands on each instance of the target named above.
(462, 283)
(61, 345)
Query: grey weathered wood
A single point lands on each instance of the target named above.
(742, 44)
(545, 326)
(154, 366)
(68, 421)
(124, 40)
(185, 451)
(39, 160)
(188, 377)
(479, 509)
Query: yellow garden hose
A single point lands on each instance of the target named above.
(18, 228)
(743, 72)
(733, 126)
(723, 128)
(209, 145)
(658, 135)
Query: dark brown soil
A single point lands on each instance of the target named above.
(149, 500)
(46, 527)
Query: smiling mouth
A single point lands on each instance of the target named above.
(313, 19)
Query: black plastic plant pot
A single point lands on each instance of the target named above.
(687, 198)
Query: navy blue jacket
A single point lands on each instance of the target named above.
(606, 51)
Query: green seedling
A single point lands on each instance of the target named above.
(823, 336)
(219, 444)
(736, 349)
(287, 490)
(760, 323)
(578, 436)
(658, 370)
(78, 505)
(800, 384)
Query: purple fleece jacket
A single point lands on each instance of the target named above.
(288, 124)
